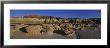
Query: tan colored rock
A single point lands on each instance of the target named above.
(15, 29)
(70, 33)
(33, 30)
(71, 36)
(12, 31)
(50, 29)
(57, 27)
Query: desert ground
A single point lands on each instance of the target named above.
(35, 34)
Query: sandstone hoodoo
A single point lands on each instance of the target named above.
(36, 26)
(33, 30)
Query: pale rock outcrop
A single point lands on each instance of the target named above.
(34, 30)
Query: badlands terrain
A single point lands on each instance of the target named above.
(50, 27)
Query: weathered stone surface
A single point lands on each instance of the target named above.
(50, 29)
(70, 33)
(57, 27)
(34, 30)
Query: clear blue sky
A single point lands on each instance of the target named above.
(59, 13)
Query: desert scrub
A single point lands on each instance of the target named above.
(33, 30)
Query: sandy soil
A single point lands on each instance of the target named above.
(89, 34)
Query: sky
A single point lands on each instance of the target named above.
(59, 13)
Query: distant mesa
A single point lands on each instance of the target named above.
(50, 17)
(34, 16)
(14, 17)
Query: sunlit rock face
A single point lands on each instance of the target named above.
(52, 27)
(34, 30)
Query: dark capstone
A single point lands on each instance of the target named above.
(23, 29)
